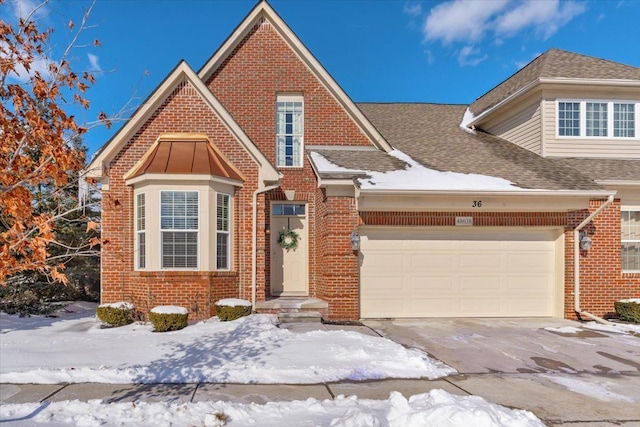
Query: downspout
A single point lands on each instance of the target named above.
(254, 256)
(576, 262)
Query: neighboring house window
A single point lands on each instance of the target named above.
(624, 120)
(222, 231)
(597, 119)
(569, 118)
(141, 230)
(289, 130)
(179, 225)
(630, 240)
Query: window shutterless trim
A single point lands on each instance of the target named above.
(623, 241)
(140, 220)
(610, 123)
(222, 232)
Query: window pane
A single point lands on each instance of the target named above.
(142, 252)
(596, 119)
(222, 251)
(624, 120)
(222, 214)
(569, 118)
(179, 211)
(141, 212)
(287, 209)
(179, 249)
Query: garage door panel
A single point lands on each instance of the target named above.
(427, 286)
(422, 272)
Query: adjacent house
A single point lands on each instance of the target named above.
(257, 177)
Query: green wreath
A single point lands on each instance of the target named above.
(288, 239)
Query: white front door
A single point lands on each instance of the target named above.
(289, 266)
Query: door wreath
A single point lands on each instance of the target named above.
(288, 239)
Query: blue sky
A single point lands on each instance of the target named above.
(380, 51)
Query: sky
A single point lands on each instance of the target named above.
(448, 52)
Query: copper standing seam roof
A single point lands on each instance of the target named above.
(186, 157)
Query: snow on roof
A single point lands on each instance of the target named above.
(418, 177)
(325, 166)
(466, 119)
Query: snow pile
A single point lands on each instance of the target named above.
(466, 119)
(234, 302)
(434, 408)
(169, 309)
(122, 305)
(418, 177)
(248, 350)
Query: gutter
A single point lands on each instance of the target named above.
(576, 262)
(254, 242)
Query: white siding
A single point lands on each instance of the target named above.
(523, 127)
(586, 147)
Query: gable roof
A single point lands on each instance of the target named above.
(184, 154)
(182, 72)
(263, 11)
(555, 64)
(430, 134)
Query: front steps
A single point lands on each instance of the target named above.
(295, 309)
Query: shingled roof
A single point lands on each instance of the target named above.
(555, 63)
(431, 135)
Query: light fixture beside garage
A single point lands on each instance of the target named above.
(585, 241)
(355, 240)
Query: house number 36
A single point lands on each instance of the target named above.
(477, 204)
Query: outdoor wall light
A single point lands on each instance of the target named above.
(355, 240)
(585, 241)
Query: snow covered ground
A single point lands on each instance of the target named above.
(74, 348)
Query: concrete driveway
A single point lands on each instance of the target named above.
(564, 373)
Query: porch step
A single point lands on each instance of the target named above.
(300, 317)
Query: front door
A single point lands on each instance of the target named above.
(289, 263)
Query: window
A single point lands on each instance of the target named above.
(624, 120)
(141, 230)
(595, 119)
(179, 225)
(289, 130)
(569, 118)
(630, 240)
(222, 231)
(287, 209)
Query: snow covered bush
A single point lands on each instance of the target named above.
(168, 318)
(115, 314)
(232, 309)
(628, 309)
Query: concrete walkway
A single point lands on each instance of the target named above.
(524, 369)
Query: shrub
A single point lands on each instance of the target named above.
(628, 310)
(116, 314)
(25, 295)
(232, 309)
(168, 318)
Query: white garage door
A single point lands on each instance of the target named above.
(453, 272)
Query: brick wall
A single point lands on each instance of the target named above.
(602, 281)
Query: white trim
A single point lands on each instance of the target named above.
(623, 241)
(264, 11)
(182, 178)
(610, 118)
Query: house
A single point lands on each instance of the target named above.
(275, 187)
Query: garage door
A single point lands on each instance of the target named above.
(449, 272)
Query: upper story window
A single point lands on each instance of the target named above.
(289, 130)
(597, 119)
(630, 240)
(179, 226)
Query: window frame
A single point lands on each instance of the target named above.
(298, 161)
(195, 231)
(623, 240)
(221, 232)
(141, 249)
(609, 124)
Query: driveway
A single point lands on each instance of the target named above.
(564, 373)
